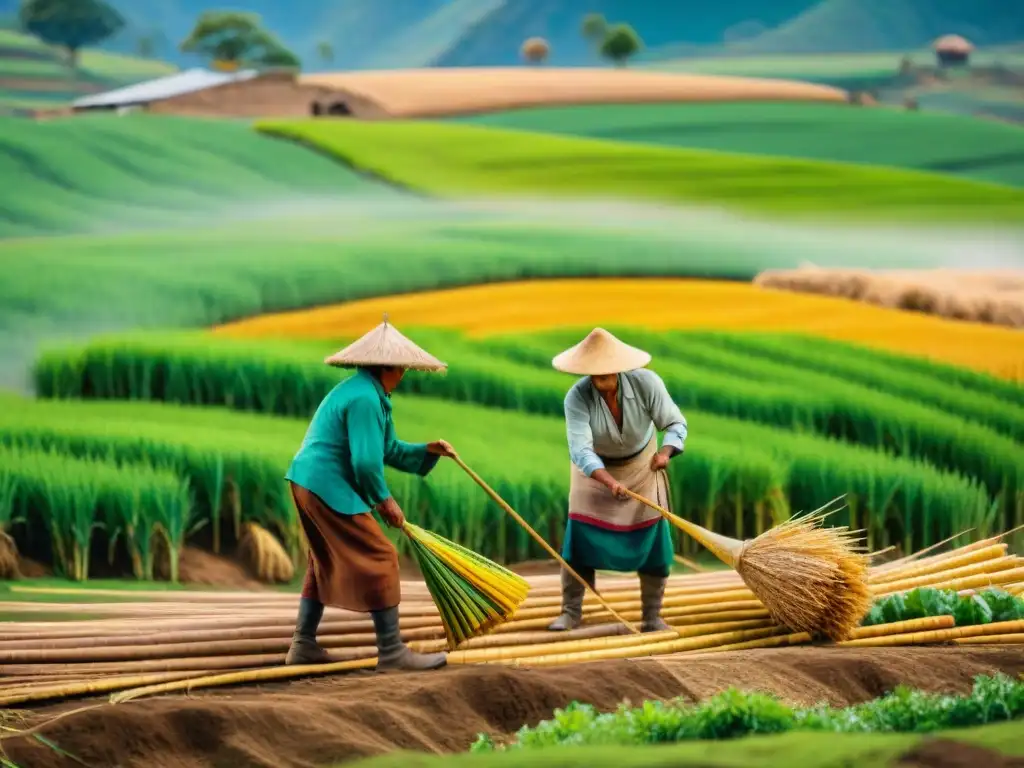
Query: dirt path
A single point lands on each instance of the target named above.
(315, 722)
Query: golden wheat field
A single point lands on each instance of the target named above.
(657, 304)
(465, 90)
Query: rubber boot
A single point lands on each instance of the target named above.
(572, 600)
(392, 654)
(304, 648)
(652, 591)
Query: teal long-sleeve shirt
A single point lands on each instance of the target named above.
(350, 440)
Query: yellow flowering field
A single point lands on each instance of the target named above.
(656, 304)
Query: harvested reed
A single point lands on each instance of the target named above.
(810, 578)
(472, 593)
(540, 540)
(264, 556)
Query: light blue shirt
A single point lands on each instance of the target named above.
(646, 407)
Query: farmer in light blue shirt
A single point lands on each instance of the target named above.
(612, 419)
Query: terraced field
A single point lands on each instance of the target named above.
(34, 75)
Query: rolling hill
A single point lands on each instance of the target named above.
(879, 25)
(35, 76)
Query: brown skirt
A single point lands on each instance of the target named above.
(352, 565)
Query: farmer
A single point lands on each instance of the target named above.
(337, 478)
(612, 418)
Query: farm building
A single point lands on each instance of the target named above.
(246, 93)
(952, 50)
(162, 88)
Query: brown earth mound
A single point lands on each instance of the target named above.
(995, 297)
(315, 722)
(944, 753)
(199, 567)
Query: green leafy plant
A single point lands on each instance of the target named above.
(734, 713)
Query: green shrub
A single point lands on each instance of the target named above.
(734, 713)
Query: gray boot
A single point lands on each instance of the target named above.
(652, 591)
(572, 600)
(304, 649)
(392, 654)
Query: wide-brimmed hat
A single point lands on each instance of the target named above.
(600, 354)
(384, 345)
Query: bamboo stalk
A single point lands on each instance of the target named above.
(540, 540)
(250, 676)
(1010, 638)
(940, 635)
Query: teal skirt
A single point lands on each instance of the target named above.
(648, 549)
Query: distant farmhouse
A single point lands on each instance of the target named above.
(952, 51)
(246, 93)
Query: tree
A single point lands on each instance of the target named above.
(325, 51)
(230, 39)
(620, 43)
(279, 56)
(535, 50)
(70, 24)
(145, 46)
(594, 27)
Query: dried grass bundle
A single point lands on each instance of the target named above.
(810, 578)
(264, 556)
(473, 595)
(8, 557)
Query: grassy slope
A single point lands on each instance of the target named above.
(37, 76)
(947, 143)
(807, 750)
(452, 160)
(98, 171)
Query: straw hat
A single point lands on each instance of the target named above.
(600, 354)
(384, 345)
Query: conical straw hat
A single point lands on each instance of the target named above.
(384, 345)
(600, 354)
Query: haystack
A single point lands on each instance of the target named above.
(264, 556)
(8, 557)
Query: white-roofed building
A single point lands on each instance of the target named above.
(160, 89)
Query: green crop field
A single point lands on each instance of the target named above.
(771, 431)
(455, 160)
(822, 66)
(100, 172)
(806, 749)
(954, 144)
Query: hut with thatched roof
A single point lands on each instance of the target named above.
(952, 51)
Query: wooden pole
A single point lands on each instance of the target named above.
(537, 537)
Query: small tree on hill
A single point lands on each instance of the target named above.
(325, 51)
(620, 44)
(594, 28)
(70, 24)
(230, 39)
(535, 50)
(145, 46)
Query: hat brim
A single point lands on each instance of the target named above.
(628, 359)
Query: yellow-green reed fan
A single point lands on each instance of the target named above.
(540, 540)
(810, 578)
(472, 594)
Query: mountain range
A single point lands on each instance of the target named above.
(382, 34)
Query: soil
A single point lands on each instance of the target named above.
(199, 567)
(944, 753)
(318, 721)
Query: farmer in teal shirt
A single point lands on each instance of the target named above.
(337, 479)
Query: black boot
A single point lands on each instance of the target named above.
(572, 600)
(394, 655)
(304, 649)
(652, 591)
